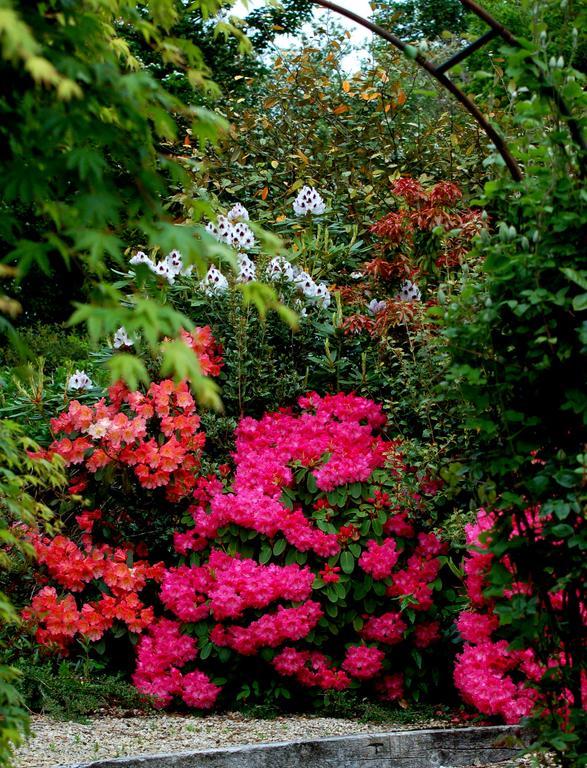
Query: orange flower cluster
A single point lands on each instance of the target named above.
(59, 621)
(158, 437)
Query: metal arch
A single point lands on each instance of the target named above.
(496, 29)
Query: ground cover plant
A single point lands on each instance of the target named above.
(323, 444)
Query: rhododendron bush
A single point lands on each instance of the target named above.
(308, 569)
(497, 677)
(418, 245)
(138, 449)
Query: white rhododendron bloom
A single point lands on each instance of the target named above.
(322, 296)
(356, 275)
(242, 236)
(174, 262)
(214, 282)
(222, 230)
(279, 268)
(162, 269)
(306, 285)
(246, 269)
(238, 213)
(121, 339)
(232, 229)
(375, 306)
(141, 257)
(225, 230)
(212, 229)
(409, 292)
(99, 429)
(308, 201)
(175, 265)
(168, 268)
(79, 380)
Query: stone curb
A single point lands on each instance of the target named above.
(438, 748)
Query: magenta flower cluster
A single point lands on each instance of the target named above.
(161, 654)
(491, 676)
(240, 607)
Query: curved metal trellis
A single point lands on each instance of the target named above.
(438, 73)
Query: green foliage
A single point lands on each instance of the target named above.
(57, 344)
(224, 50)
(414, 20)
(68, 690)
(32, 396)
(348, 135)
(517, 343)
(13, 714)
(348, 704)
(21, 480)
(88, 164)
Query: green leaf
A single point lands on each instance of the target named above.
(265, 554)
(279, 547)
(577, 276)
(562, 530)
(128, 368)
(347, 561)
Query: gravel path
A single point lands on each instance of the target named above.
(57, 743)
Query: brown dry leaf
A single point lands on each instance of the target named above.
(7, 271)
(9, 306)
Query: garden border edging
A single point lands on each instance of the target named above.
(432, 748)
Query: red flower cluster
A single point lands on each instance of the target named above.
(60, 621)
(311, 669)
(389, 628)
(204, 345)
(363, 662)
(227, 586)
(271, 630)
(157, 436)
(490, 675)
(379, 559)
(287, 501)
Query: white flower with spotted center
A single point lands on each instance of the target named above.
(409, 292)
(238, 213)
(309, 201)
(214, 282)
(279, 268)
(79, 380)
(122, 339)
(375, 306)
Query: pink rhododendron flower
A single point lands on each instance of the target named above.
(391, 687)
(379, 559)
(389, 628)
(363, 662)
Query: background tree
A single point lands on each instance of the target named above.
(85, 168)
(225, 51)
